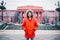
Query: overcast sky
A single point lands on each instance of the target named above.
(46, 4)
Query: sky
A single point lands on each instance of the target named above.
(46, 4)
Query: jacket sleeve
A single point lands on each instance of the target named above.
(23, 24)
(36, 25)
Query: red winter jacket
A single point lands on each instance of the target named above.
(29, 26)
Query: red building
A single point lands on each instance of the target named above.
(37, 11)
(40, 14)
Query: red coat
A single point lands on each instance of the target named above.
(29, 26)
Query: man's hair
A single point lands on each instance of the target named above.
(31, 14)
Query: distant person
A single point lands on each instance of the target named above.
(29, 25)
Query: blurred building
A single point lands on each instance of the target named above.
(42, 16)
(7, 15)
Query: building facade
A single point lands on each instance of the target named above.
(42, 16)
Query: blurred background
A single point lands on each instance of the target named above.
(46, 12)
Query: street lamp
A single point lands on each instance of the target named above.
(58, 10)
(2, 7)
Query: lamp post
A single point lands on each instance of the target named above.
(58, 10)
(2, 7)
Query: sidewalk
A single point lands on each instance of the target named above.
(40, 35)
